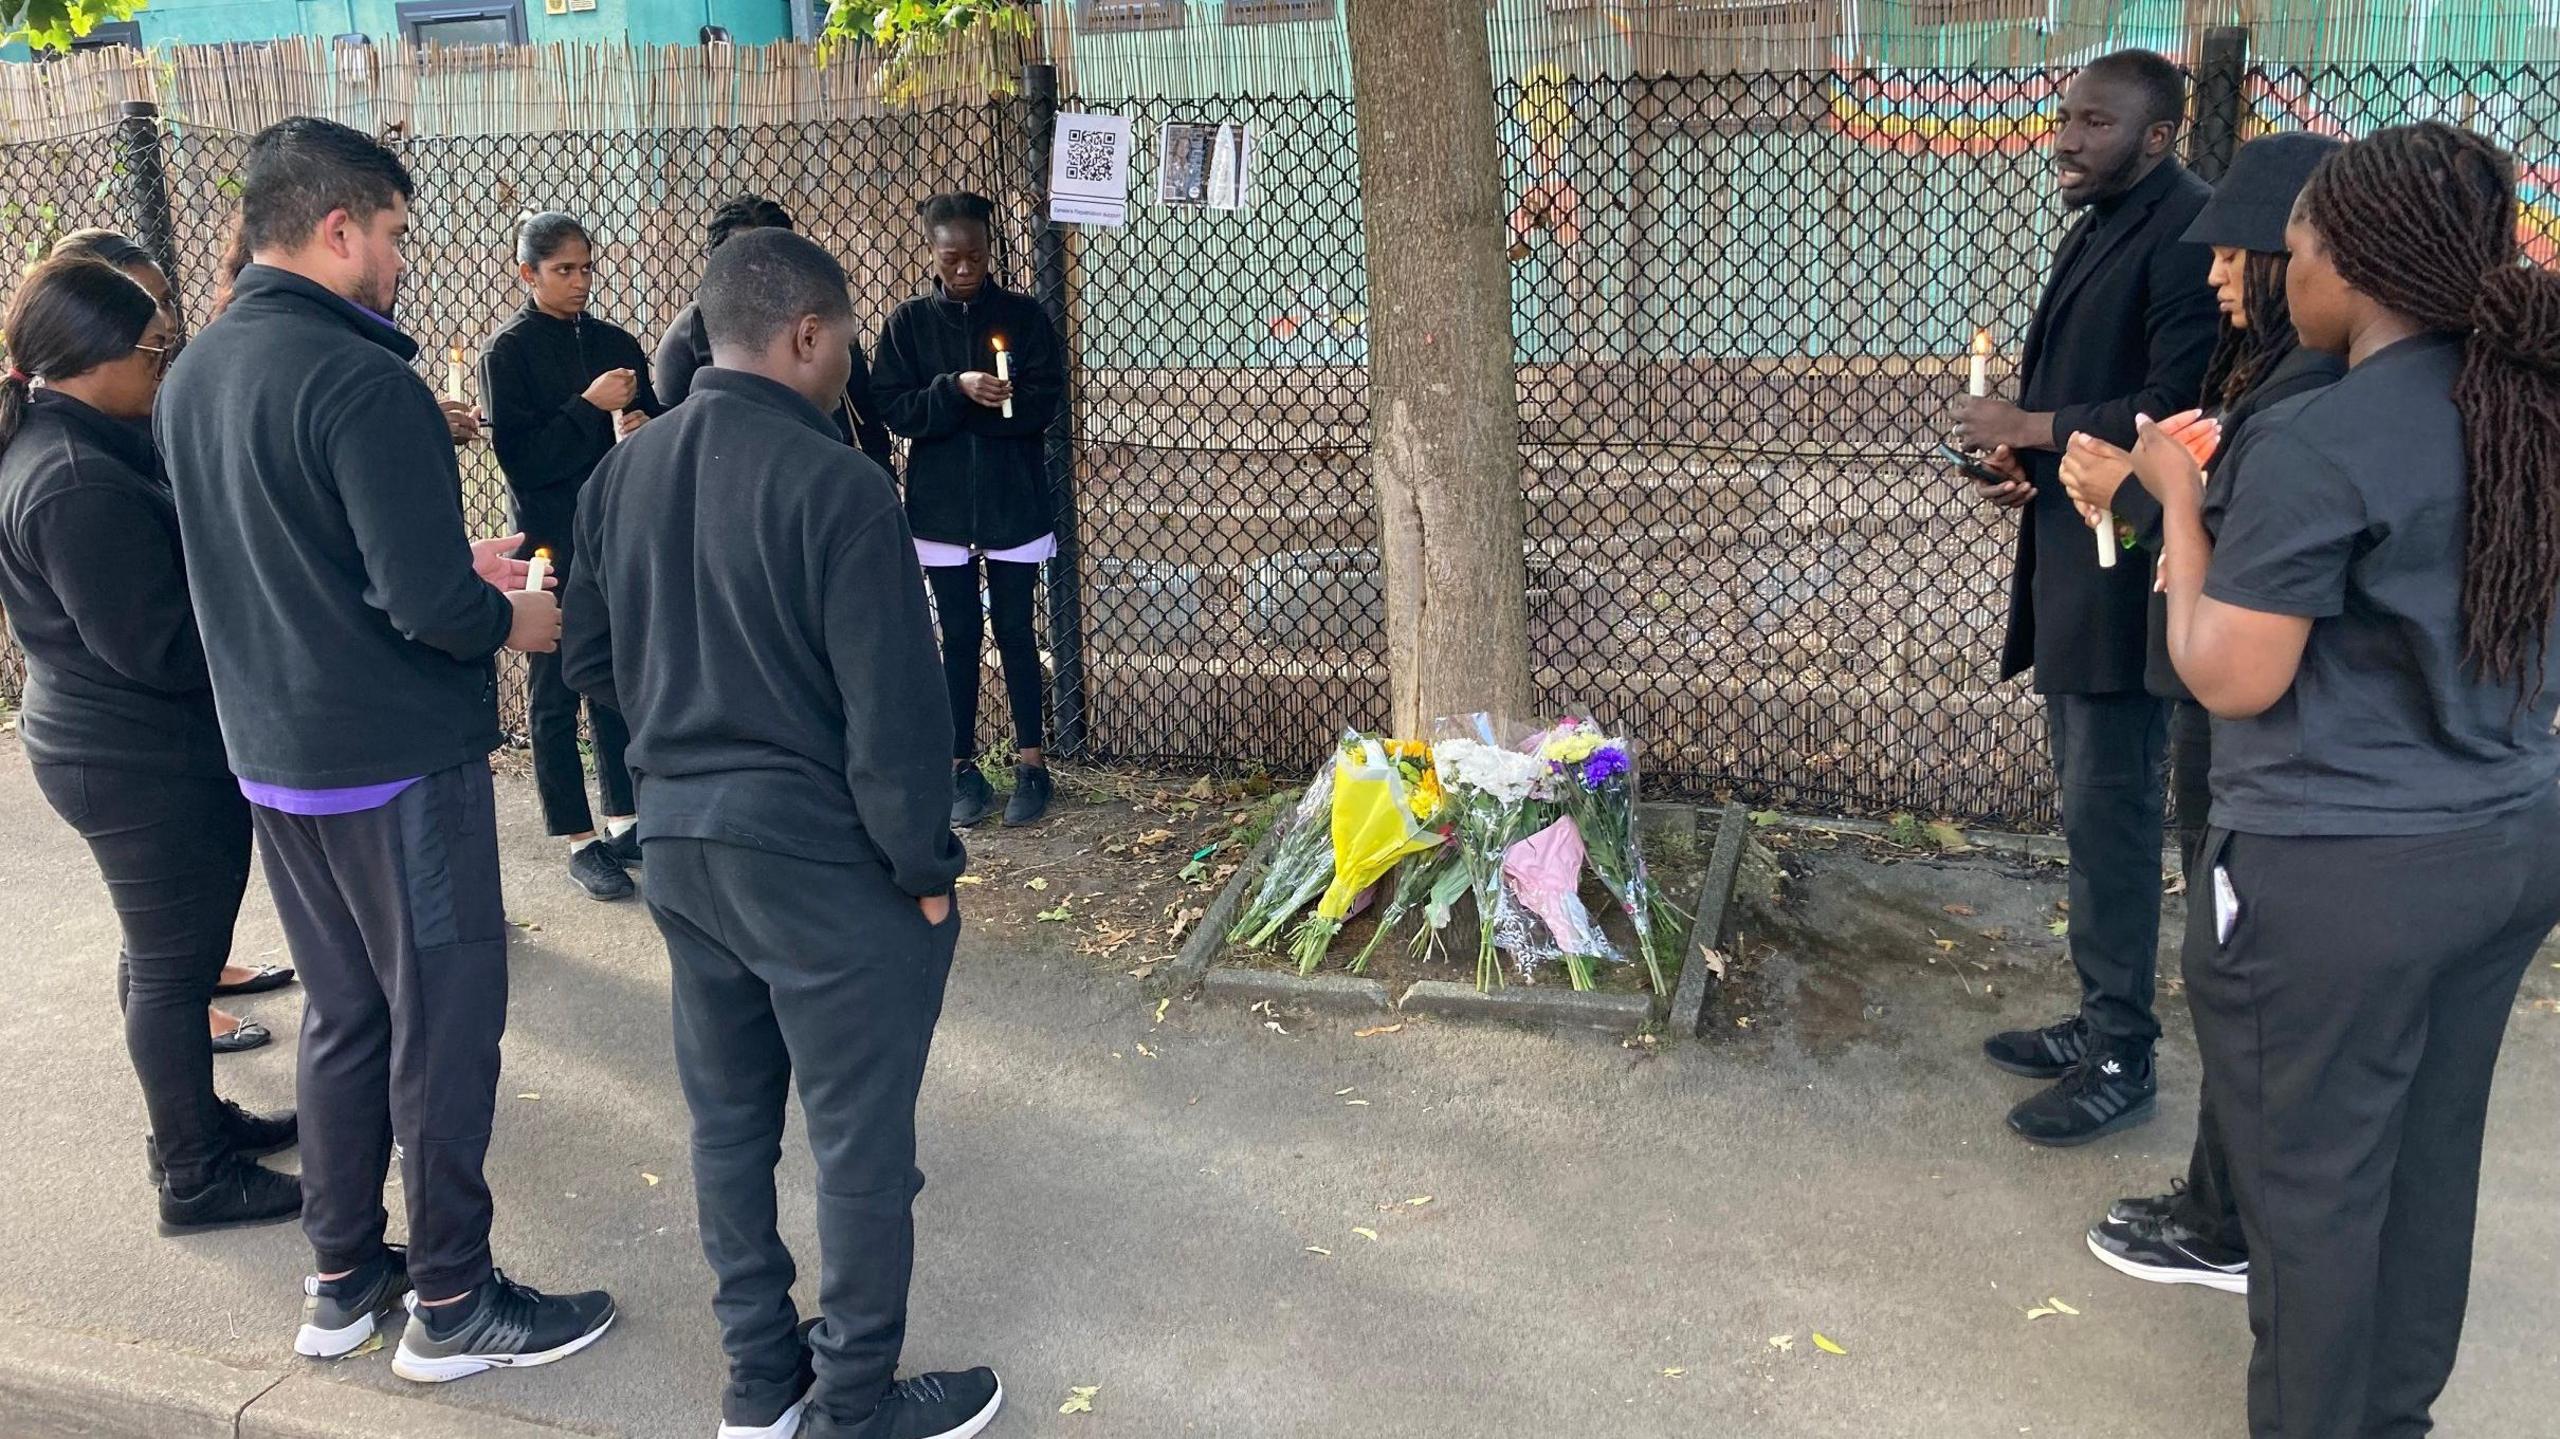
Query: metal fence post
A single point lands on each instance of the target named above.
(142, 190)
(2222, 98)
(1049, 286)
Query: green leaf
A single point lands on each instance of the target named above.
(1055, 916)
(1827, 1344)
(1766, 818)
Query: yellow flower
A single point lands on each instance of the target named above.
(1572, 749)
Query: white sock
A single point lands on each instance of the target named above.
(617, 828)
(576, 845)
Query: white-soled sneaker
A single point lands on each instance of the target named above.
(503, 1325)
(339, 1315)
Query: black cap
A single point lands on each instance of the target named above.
(2249, 208)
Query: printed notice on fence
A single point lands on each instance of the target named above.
(1205, 166)
(1089, 170)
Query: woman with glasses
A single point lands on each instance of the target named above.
(231, 1034)
(118, 718)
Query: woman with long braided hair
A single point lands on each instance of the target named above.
(2370, 625)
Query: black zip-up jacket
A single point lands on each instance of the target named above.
(95, 587)
(2301, 371)
(347, 635)
(535, 372)
(749, 600)
(973, 477)
(686, 349)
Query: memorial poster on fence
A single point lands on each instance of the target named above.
(1089, 170)
(1205, 166)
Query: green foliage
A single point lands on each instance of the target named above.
(54, 24)
(913, 35)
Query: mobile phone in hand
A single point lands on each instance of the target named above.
(1971, 468)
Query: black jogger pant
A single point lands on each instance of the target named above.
(397, 926)
(2205, 1207)
(175, 854)
(790, 968)
(2350, 1025)
(956, 608)
(559, 772)
(2108, 755)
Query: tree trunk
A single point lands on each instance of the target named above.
(1444, 406)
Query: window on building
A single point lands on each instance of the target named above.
(111, 33)
(462, 22)
(1095, 17)
(1277, 12)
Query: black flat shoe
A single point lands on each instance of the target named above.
(626, 847)
(1032, 789)
(250, 1136)
(262, 979)
(250, 1035)
(242, 1195)
(600, 874)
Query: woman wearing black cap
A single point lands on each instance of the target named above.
(2371, 624)
(2192, 1235)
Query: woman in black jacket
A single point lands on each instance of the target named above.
(2192, 1234)
(231, 1033)
(118, 716)
(686, 348)
(977, 480)
(562, 388)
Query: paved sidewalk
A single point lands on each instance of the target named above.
(1141, 1220)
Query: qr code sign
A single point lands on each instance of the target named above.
(1089, 155)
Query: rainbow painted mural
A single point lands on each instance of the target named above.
(1937, 115)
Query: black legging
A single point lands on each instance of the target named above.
(955, 601)
(175, 854)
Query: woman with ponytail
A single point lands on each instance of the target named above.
(2192, 1234)
(118, 719)
(2370, 623)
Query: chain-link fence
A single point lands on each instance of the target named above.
(1742, 306)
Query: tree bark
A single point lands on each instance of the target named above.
(1444, 406)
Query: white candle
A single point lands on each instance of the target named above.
(537, 570)
(453, 375)
(1981, 382)
(1004, 372)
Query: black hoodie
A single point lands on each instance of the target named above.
(973, 477)
(686, 349)
(348, 636)
(749, 601)
(534, 373)
(95, 587)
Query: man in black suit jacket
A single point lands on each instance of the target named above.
(2126, 327)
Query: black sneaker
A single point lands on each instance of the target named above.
(241, 1195)
(599, 873)
(929, 1406)
(2047, 1053)
(1032, 788)
(2105, 1093)
(2150, 1208)
(2167, 1252)
(625, 847)
(250, 1136)
(777, 1416)
(501, 1325)
(972, 798)
(339, 1315)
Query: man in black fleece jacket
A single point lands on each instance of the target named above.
(749, 600)
(349, 626)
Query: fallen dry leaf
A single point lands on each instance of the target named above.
(1715, 961)
(2040, 1312)
(1274, 1026)
(1373, 1031)
(1319, 1249)
(1161, 1006)
(1369, 1234)
(1960, 911)
(1782, 1342)
(528, 1096)
(1149, 1053)
(1827, 1344)
(1948, 945)
(2062, 1308)
(1417, 1201)
(1347, 1089)
(1080, 1399)
(971, 879)
(1355, 1104)
(1673, 1373)
(1036, 883)
(372, 1345)
(649, 1179)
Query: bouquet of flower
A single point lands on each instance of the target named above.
(1543, 917)
(1596, 779)
(1301, 864)
(1383, 796)
(1497, 797)
(1419, 881)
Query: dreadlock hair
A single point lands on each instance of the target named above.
(235, 258)
(2422, 219)
(2249, 353)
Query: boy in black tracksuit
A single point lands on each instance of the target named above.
(978, 481)
(349, 626)
(560, 385)
(749, 599)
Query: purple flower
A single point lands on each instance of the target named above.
(1604, 765)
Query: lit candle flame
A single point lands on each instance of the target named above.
(1982, 342)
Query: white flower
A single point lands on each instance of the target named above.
(1509, 776)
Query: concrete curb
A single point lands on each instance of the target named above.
(1715, 900)
(1209, 937)
(1335, 993)
(1540, 1005)
(70, 1386)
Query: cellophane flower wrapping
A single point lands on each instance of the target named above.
(1543, 919)
(1497, 796)
(1378, 788)
(1596, 778)
(1301, 865)
(1418, 879)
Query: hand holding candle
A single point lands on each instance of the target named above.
(453, 375)
(538, 571)
(1980, 382)
(1004, 371)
